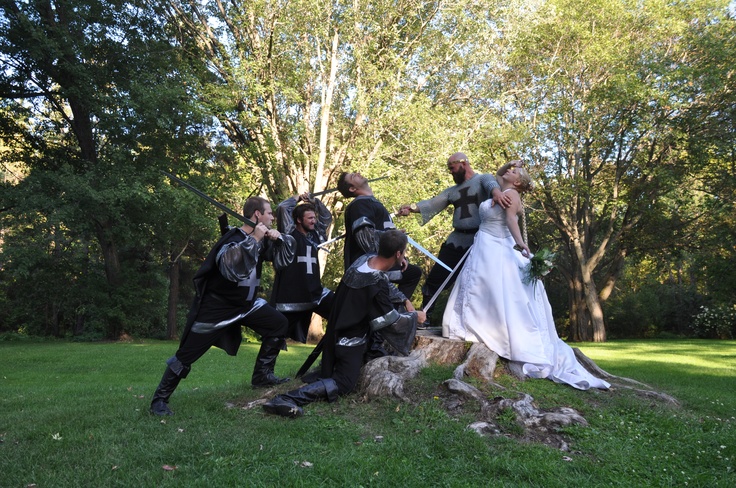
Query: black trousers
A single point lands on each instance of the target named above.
(299, 321)
(266, 321)
(348, 362)
(450, 255)
(409, 280)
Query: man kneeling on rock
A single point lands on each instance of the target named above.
(362, 305)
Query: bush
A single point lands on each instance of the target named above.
(651, 310)
(715, 322)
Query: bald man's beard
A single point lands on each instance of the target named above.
(459, 176)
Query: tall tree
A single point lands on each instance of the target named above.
(101, 102)
(304, 88)
(599, 85)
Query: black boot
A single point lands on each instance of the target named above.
(313, 374)
(265, 362)
(175, 371)
(290, 404)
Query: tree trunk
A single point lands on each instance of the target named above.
(109, 253)
(579, 322)
(595, 311)
(325, 116)
(595, 326)
(79, 324)
(112, 271)
(56, 317)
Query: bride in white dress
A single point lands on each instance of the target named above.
(491, 303)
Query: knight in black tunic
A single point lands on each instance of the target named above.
(362, 305)
(226, 286)
(297, 289)
(365, 220)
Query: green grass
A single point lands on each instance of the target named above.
(76, 414)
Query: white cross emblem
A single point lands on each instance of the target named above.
(307, 259)
(252, 282)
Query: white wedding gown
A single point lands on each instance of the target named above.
(490, 303)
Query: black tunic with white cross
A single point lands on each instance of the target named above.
(297, 288)
(228, 282)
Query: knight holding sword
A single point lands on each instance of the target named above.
(465, 196)
(366, 219)
(227, 286)
(297, 289)
(362, 306)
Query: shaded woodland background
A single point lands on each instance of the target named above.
(624, 110)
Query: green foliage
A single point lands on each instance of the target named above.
(652, 310)
(717, 322)
(623, 108)
(652, 298)
(86, 236)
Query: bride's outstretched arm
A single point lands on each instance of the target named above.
(512, 222)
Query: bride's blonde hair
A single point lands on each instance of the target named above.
(525, 181)
(523, 186)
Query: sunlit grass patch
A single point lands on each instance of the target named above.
(76, 415)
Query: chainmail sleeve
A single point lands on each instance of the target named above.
(236, 260)
(431, 207)
(488, 183)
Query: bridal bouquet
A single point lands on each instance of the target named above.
(540, 264)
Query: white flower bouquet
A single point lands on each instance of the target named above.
(540, 264)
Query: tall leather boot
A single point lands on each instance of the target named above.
(290, 404)
(265, 362)
(174, 373)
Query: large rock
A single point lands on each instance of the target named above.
(480, 362)
(384, 377)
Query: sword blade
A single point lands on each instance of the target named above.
(427, 253)
(214, 202)
(311, 358)
(331, 241)
(447, 280)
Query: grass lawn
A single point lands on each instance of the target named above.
(75, 414)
